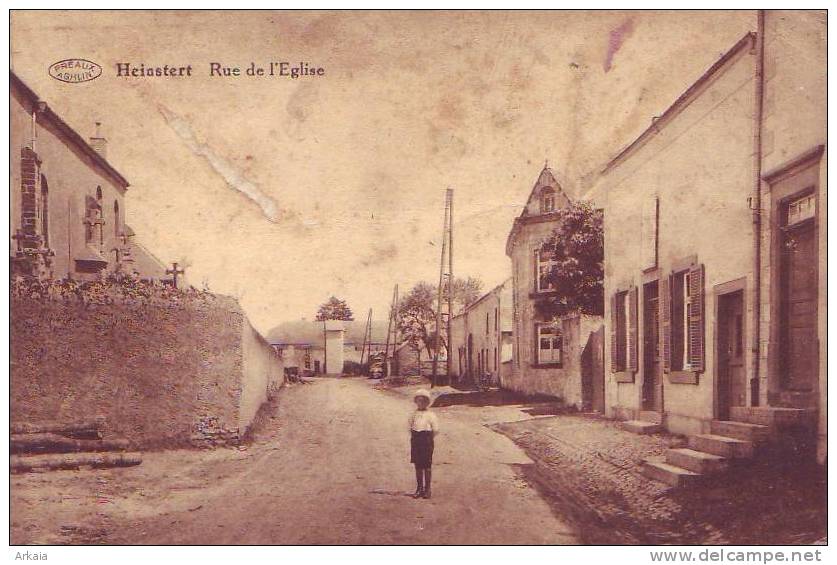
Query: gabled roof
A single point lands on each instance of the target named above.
(44, 111)
(547, 177)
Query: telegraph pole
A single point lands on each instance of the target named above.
(392, 327)
(367, 338)
(444, 302)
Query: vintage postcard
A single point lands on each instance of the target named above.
(419, 278)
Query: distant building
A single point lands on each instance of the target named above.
(67, 201)
(554, 357)
(302, 343)
(481, 337)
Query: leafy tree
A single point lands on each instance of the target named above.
(335, 309)
(577, 276)
(417, 311)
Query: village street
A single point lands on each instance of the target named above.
(329, 464)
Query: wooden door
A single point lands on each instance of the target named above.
(732, 378)
(799, 356)
(652, 383)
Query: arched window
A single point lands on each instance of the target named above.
(99, 193)
(45, 210)
(116, 222)
(547, 200)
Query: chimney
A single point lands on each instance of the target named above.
(99, 143)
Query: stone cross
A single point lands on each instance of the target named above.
(175, 272)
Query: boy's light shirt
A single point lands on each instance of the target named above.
(424, 421)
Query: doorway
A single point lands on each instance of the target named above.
(732, 378)
(799, 359)
(652, 382)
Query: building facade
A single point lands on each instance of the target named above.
(714, 230)
(793, 347)
(67, 201)
(481, 338)
(557, 358)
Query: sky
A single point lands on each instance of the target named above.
(283, 192)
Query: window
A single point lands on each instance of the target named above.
(44, 211)
(92, 219)
(801, 209)
(116, 222)
(623, 332)
(544, 263)
(619, 315)
(681, 308)
(496, 319)
(486, 323)
(550, 344)
(682, 321)
(547, 200)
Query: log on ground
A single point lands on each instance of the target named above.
(79, 430)
(54, 443)
(26, 463)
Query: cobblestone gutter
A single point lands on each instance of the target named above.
(589, 470)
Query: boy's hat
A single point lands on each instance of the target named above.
(422, 392)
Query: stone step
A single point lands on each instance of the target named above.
(640, 427)
(773, 416)
(756, 433)
(728, 447)
(696, 461)
(650, 416)
(655, 468)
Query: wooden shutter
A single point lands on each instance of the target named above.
(665, 322)
(697, 353)
(614, 342)
(631, 330)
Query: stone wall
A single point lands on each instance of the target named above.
(181, 370)
(564, 382)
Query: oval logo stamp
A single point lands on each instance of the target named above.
(75, 70)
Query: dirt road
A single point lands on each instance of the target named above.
(331, 466)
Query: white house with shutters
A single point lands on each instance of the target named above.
(694, 340)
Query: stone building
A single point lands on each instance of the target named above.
(301, 343)
(793, 347)
(558, 358)
(481, 337)
(712, 296)
(67, 201)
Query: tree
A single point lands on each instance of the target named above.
(577, 274)
(417, 311)
(335, 309)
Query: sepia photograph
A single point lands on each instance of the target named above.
(419, 278)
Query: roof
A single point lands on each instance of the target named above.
(683, 100)
(72, 135)
(486, 295)
(546, 177)
(304, 332)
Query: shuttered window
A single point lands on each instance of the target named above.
(682, 300)
(631, 330)
(623, 331)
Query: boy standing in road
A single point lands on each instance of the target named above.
(423, 428)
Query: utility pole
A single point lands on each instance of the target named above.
(367, 338)
(444, 302)
(392, 326)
